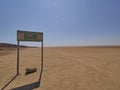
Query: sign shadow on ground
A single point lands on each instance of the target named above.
(30, 86)
(9, 82)
(26, 87)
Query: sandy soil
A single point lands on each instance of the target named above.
(65, 68)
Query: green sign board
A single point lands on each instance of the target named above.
(29, 36)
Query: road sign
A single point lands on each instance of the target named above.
(29, 36)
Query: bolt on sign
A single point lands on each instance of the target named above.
(29, 36)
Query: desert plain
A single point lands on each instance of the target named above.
(65, 68)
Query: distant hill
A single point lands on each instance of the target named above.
(9, 45)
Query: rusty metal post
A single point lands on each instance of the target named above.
(18, 58)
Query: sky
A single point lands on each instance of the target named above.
(63, 22)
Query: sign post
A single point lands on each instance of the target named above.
(29, 36)
(18, 58)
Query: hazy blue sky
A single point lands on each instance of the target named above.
(63, 22)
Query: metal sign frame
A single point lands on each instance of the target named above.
(31, 36)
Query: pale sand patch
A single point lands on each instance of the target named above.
(65, 68)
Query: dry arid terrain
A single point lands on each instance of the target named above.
(65, 68)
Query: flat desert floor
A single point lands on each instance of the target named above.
(65, 68)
